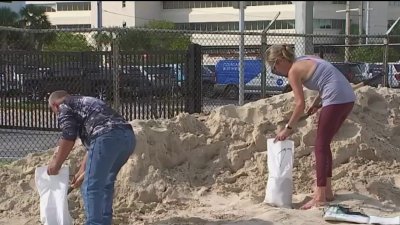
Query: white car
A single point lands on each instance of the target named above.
(274, 84)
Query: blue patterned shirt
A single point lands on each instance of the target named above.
(88, 118)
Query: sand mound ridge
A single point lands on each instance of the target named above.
(180, 159)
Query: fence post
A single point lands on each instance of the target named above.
(321, 52)
(115, 73)
(263, 59)
(193, 83)
(385, 61)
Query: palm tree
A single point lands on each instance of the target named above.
(103, 40)
(8, 18)
(34, 17)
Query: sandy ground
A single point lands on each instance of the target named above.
(212, 169)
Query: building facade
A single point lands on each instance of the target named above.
(218, 15)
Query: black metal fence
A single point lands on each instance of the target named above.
(140, 84)
(151, 74)
(151, 86)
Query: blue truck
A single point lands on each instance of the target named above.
(227, 78)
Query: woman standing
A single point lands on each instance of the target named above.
(337, 98)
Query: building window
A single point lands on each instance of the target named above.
(123, 4)
(124, 24)
(339, 2)
(72, 26)
(329, 24)
(394, 3)
(234, 26)
(215, 4)
(73, 6)
(47, 8)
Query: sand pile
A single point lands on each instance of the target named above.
(178, 161)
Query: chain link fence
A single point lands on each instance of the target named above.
(156, 73)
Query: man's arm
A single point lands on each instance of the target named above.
(69, 129)
(64, 149)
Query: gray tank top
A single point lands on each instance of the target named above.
(332, 85)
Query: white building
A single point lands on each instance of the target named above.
(215, 15)
(221, 16)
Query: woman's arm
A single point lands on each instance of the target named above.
(295, 81)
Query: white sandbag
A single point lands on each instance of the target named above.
(53, 196)
(279, 188)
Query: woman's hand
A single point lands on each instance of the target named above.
(313, 109)
(282, 135)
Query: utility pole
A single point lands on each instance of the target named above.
(241, 53)
(360, 21)
(347, 41)
(367, 23)
(99, 21)
(99, 14)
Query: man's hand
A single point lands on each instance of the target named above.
(78, 179)
(53, 168)
(64, 148)
(80, 175)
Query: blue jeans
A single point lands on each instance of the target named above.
(107, 154)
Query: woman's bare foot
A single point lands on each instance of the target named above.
(328, 190)
(319, 199)
(329, 196)
(313, 203)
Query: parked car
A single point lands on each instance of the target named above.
(352, 71)
(97, 81)
(393, 71)
(163, 80)
(208, 81)
(210, 67)
(394, 80)
(10, 80)
(274, 84)
(207, 75)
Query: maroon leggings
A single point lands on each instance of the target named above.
(330, 120)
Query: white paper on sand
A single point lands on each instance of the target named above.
(53, 196)
(334, 214)
(279, 188)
